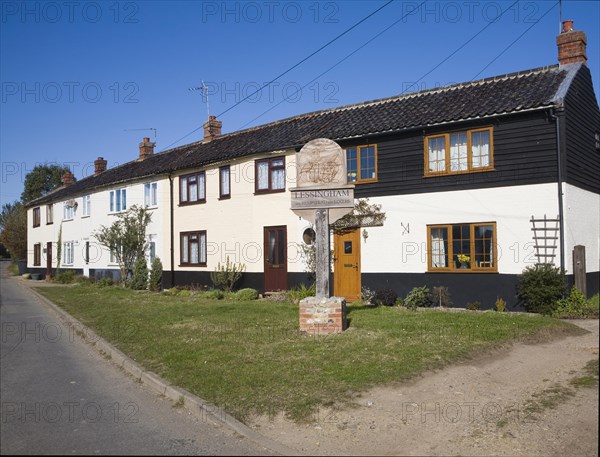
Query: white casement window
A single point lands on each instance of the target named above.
(118, 200)
(49, 213)
(68, 210)
(87, 208)
(68, 252)
(150, 194)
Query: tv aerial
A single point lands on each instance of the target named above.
(204, 90)
(155, 131)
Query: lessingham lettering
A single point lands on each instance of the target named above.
(321, 193)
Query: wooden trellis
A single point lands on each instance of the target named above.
(545, 236)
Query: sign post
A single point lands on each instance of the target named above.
(322, 196)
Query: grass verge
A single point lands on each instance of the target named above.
(249, 357)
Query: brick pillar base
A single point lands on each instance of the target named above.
(323, 316)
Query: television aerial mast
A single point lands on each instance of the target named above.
(204, 90)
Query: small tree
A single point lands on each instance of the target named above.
(139, 280)
(440, 296)
(156, 270)
(13, 229)
(540, 287)
(226, 276)
(126, 238)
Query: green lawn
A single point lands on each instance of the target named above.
(249, 357)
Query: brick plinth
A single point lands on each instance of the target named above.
(323, 316)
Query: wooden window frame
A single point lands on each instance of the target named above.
(199, 234)
(358, 167)
(472, 254)
(187, 177)
(470, 168)
(37, 254)
(222, 195)
(37, 217)
(50, 214)
(271, 169)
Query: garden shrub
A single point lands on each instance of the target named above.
(139, 280)
(574, 306)
(540, 287)
(65, 277)
(367, 295)
(418, 297)
(474, 305)
(440, 296)
(299, 293)
(246, 294)
(215, 294)
(106, 281)
(385, 297)
(227, 275)
(500, 305)
(155, 278)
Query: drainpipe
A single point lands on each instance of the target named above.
(171, 215)
(557, 115)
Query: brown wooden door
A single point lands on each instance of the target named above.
(346, 264)
(275, 250)
(49, 259)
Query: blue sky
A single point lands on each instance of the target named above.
(78, 77)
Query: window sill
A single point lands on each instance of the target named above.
(49, 223)
(364, 181)
(225, 197)
(457, 173)
(195, 265)
(36, 226)
(85, 217)
(199, 202)
(263, 192)
(68, 220)
(461, 271)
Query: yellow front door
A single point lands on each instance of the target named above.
(346, 264)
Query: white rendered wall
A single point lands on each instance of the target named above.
(81, 228)
(401, 244)
(582, 226)
(235, 226)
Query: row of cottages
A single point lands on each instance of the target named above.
(504, 171)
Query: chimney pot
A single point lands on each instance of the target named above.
(212, 129)
(146, 149)
(99, 165)
(567, 25)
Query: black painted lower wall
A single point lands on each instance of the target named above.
(463, 288)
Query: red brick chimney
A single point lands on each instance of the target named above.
(68, 178)
(99, 165)
(212, 129)
(146, 149)
(571, 45)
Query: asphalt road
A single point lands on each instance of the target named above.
(60, 397)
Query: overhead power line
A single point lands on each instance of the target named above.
(291, 68)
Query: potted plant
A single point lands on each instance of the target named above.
(463, 260)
